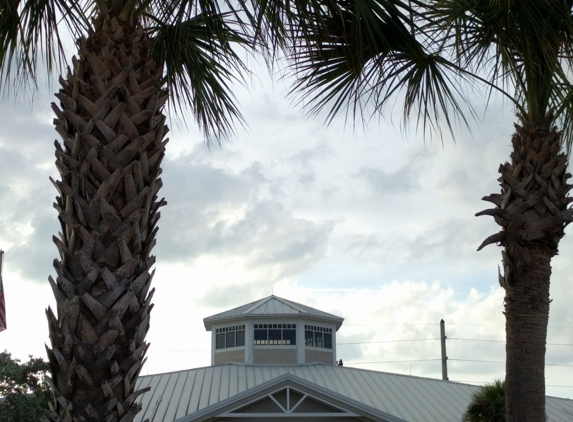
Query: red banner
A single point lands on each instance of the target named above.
(2, 303)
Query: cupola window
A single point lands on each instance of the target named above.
(275, 334)
(316, 336)
(230, 337)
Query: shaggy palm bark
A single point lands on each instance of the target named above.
(532, 211)
(113, 132)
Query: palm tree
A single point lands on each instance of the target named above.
(527, 46)
(364, 52)
(110, 118)
(488, 404)
(131, 55)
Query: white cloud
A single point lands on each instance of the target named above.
(363, 225)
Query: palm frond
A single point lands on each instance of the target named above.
(200, 65)
(487, 404)
(364, 52)
(29, 35)
(525, 47)
(275, 22)
(562, 97)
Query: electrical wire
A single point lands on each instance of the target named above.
(385, 341)
(392, 361)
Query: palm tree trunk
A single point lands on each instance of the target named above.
(527, 315)
(532, 211)
(112, 128)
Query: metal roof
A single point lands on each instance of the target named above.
(271, 306)
(344, 406)
(414, 399)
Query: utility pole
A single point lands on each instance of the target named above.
(444, 355)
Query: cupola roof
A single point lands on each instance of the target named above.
(271, 306)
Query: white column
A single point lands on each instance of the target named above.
(300, 347)
(249, 341)
(334, 357)
(213, 344)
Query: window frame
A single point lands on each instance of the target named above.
(321, 336)
(228, 335)
(273, 334)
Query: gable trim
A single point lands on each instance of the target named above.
(290, 407)
(347, 407)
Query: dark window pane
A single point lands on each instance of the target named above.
(318, 339)
(328, 341)
(231, 339)
(220, 341)
(275, 336)
(240, 338)
(308, 337)
(289, 336)
(261, 336)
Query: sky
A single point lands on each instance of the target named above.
(371, 223)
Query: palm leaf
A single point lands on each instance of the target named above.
(364, 52)
(29, 35)
(526, 47)
(487, 404)
(200, 65)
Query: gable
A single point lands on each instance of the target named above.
(288, 401)
(290, 398)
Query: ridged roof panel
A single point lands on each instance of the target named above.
(413, 399)
(271, 306)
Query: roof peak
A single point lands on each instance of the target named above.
(272, 306)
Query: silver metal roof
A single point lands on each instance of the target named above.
(337, 405)
(271, 306)
(414, 399)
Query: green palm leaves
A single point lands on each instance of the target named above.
(194, 41)
(488, 404)
(523, 48)
(200, 64)
(29, 35)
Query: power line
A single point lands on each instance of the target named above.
(433, 360)
(376, 325)
(475, 339)
(386, 341)
(436, 338)
(449, 324)
(495, 361)
(482, 382)
(502, 341)
(392, 361)
(376, 342)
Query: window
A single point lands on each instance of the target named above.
(318, 336)
(230, 337)
(275, 334)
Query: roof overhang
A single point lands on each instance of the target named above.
(209, 322)
(272, 307)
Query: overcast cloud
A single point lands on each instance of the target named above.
(366, 224)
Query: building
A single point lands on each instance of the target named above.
(274, 359)
(282, 332)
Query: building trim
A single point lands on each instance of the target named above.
(348, 407)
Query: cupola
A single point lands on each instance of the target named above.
(273, 330)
